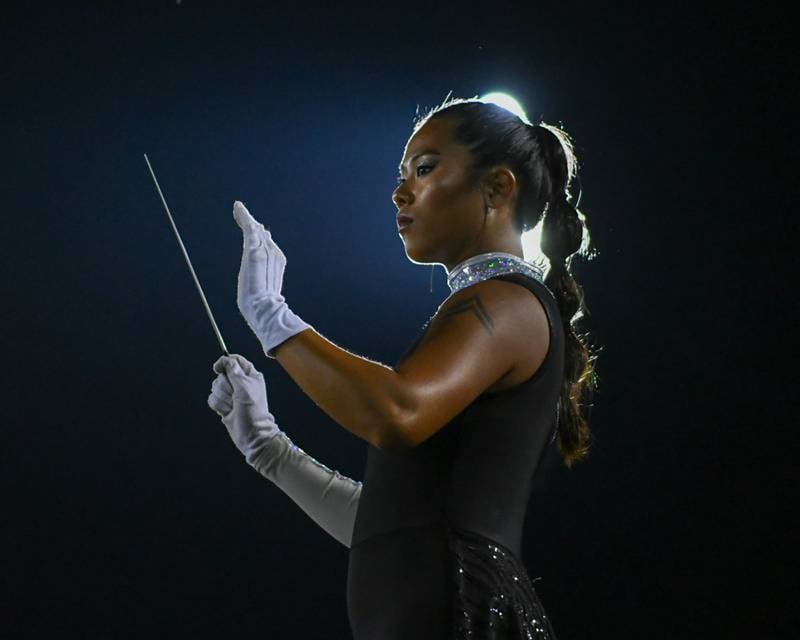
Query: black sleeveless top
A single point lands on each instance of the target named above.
(436, 547)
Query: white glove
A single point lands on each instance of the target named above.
(260, 280)
(239, 396)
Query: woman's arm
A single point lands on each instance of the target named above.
(478, 335)
(239, 396)
(359, 394)
(326, 496)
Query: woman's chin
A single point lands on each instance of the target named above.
(411, 252)
(417, 258)
(416, 253)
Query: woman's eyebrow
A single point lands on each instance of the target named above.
(414, 157)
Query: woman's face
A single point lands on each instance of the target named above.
(447, 210)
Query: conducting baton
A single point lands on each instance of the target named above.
(189, 262)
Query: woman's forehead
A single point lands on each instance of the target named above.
(433, 131)
(433, 135)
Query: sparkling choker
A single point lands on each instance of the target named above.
(487, 265)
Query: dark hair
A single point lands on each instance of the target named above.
(543, 160)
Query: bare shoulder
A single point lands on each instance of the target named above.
(513, 314)
(483, 338)
(509, 302)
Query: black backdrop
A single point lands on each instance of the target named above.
(127, 510)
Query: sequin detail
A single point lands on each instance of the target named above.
(489, 265)
(494, 597)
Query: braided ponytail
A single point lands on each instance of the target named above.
(562, 236)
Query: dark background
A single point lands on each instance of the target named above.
(128, 512)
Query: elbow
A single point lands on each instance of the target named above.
(397, 434)
(394, 434)
(398, 419)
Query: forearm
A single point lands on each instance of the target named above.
(362, 396)
(326, 496)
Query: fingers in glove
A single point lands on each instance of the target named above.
(246, 366)
(263, 262)
(253, 269)
(246, 222)
(222, 406)
(222, 364)
(231, 368)
(252, 279)
(276, 263)
(222, 387)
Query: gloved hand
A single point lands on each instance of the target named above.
(260, 280)
(239, 396)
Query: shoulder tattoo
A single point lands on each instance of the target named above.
(472, 305)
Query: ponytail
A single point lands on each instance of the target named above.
(563, 236)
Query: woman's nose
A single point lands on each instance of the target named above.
(401, 197)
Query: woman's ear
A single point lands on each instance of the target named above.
(499, 187)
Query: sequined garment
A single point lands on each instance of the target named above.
(494, 597)
(489, 265)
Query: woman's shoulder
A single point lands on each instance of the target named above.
(518, 297)
(503, 305)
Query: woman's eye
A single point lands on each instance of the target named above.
(422, 166)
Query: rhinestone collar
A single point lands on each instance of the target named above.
(487, 265)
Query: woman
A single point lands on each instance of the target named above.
(458, 426)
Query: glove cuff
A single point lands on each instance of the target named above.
(284, 325)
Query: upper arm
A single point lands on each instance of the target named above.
(477, 336)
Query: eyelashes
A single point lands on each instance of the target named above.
(422, 166)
